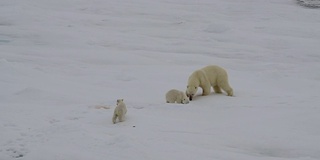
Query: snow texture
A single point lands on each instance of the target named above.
(64, 63)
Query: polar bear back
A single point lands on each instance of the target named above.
(197, 78)
(215, 74)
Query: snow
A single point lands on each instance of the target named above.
(64, 63)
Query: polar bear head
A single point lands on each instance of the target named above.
(185, 99)
(191, 91)
(119, 101)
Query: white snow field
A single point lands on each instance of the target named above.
(64, 63)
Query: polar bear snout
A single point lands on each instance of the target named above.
(190, 96)
(190, 92)
(185, 101)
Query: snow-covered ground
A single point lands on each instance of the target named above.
(62, 60)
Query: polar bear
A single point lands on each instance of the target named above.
(207, 77)
(174, 95)
(120, 111)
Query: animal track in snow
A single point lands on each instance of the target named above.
(16, 148)
(310, 3)
(16, 153)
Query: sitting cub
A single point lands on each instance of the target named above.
(120, 111)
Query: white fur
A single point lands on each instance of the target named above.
(120, 111)
(207, 77)
(174, 95)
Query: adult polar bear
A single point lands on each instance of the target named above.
(207, 77)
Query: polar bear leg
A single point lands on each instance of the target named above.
(230, 92)
(206, 90)
(217, 89)
(179, 99)
(121, 118)
(226, 87)
(114, 118)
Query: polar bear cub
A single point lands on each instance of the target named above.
(120, 111)
(207, 77)
(174, 95)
